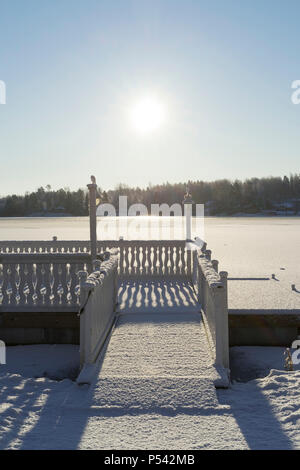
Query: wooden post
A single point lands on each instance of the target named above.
(82, 276)
(188, 221)
(215, 264)
(93, 217)
(188, 212)
(225, 335)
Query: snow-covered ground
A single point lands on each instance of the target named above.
(55, 361)
(248, 362)
(41, 413)
(261, 409)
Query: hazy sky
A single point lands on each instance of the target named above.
(74, 69)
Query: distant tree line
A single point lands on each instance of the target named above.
(220, 197)
(46, 201)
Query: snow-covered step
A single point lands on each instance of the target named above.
(154, 362)
(158, 345)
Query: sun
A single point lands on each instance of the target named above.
(147, 115)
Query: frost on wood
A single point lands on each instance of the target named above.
(97, 277)
(213, 278)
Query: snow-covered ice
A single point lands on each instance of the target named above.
(251, 250)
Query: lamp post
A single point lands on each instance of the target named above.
(93, 217)
(188, 212)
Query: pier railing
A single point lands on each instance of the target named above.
(211, 288)
(43, 277)
(42, 246)
(41, 281)
(137, 257)
(98, 307)
(153, 258)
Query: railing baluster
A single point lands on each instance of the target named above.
(183, 269)
(30, 281)
(138, 260)
(5, 285)
(132, 259)
(155, 258)
(63, 283)
(143, 269)
(161, 250)
(14, 284)
(126, 269)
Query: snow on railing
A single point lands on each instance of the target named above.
(211, 287)
(41, 281)
(42, 246)
(137, 257)
(98, 307)
(153, 258)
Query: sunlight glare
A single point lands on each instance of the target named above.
(147, 115)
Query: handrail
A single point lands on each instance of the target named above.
(212, 295)
(40, 258)
(97, 312)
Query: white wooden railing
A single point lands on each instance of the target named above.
(98, 307)
(42, 276)
(41, 281)
(153, 258)
(211, 288)
(137, 257)
(42, 246)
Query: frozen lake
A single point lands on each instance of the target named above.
(251, 249)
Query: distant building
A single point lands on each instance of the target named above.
(59, 209)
